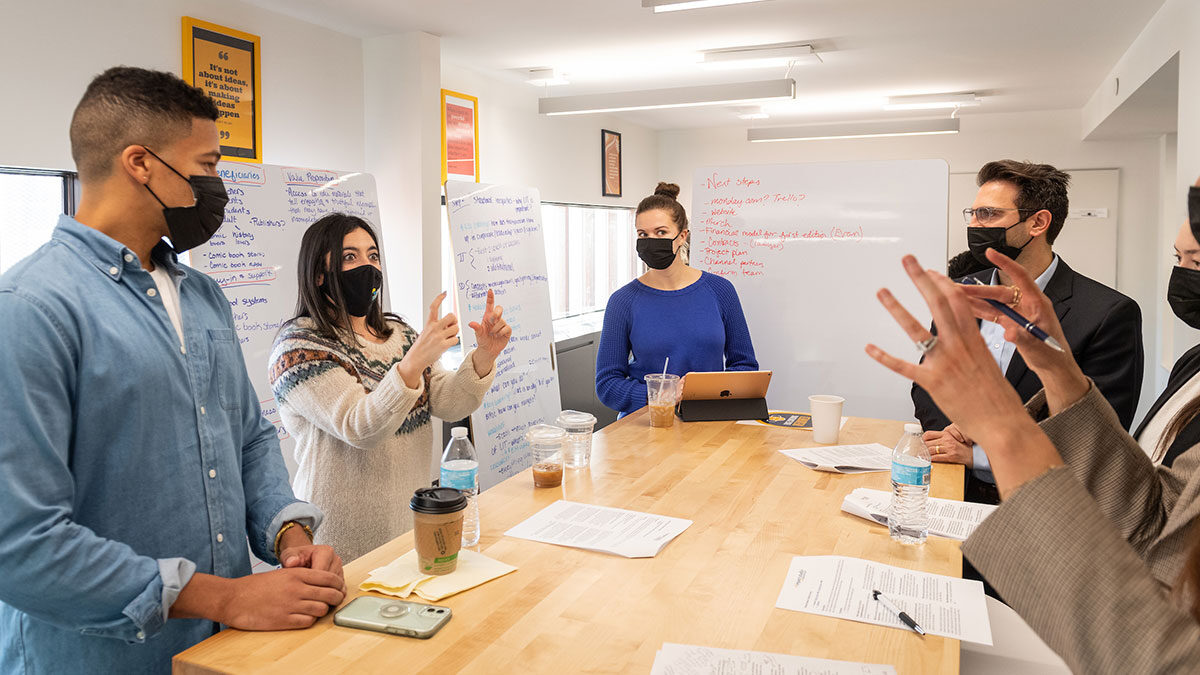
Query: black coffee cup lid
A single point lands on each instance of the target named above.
(438, 500)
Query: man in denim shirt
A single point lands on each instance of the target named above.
(134, 461)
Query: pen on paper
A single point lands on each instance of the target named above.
(904, 617)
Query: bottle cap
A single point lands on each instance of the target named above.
(458, 432)
(912, 428)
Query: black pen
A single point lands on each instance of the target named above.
(1021, 321)
(908, 620)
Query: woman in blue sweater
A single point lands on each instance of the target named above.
(672, 310)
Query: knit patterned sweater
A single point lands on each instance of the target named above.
(363, 438)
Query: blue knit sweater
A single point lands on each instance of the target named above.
(700, 327)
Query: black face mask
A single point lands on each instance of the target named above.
(980, 239)
(190, 226)
(658, 254)
(1183, 294)
(1194, 210)
(360, 288)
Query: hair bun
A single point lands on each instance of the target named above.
(670, 190)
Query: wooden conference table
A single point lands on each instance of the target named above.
(567, 610)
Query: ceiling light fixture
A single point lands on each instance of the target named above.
(931, 102)
(545, 77)
(677, 5)
(678, 97)
(761, 56)
(815, 132)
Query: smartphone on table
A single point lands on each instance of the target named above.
(389, 615)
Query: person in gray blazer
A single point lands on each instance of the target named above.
(1093, 546)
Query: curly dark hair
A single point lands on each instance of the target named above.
(126, 106)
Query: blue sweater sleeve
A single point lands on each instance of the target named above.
(615, 388)
(739, 350)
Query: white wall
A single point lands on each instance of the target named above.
(558, 155)
(312, 77)
(1051, 137)
(1173, 30)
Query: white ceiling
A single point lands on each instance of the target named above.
(1019, 54)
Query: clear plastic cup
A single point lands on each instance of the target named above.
(579, 426)
(661, 394)
(546, 441)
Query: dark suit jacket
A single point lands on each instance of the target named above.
(1102, 327)
(1187, 366)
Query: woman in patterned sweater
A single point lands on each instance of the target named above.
(356, 387)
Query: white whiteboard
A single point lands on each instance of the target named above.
(496, 238)
(807, 246)
(254, 254)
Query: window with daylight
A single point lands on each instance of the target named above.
(589, 254)
(33, 199)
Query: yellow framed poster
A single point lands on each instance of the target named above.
(226, 64)
(460, 136)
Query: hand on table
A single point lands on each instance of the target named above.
(313, 556)
(950, 446)
(281, 599)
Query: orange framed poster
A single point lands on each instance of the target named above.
(460, 137)
(226, 64)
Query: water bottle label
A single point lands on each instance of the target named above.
(910, 475)
(463, 480)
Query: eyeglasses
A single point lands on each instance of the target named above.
(988, 214)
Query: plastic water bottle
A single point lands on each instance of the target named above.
(460, 470)
(908, 517)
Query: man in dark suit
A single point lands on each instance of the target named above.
(1019, 210)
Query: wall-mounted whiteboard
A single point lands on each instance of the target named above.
(496, 238)
(254, 254)
(807, 246)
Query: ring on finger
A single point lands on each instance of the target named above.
(1016, 298)
(924, 346)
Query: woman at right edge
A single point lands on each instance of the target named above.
(1096, 548)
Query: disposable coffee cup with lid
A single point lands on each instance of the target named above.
(437, 528)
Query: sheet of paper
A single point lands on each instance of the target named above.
(841, 587)
(601, 528)
(674, 659)
(844, 458)
(947, 517)
(804, 425)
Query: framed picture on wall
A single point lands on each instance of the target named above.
(226, 63)
(460, 137)
(610, 151)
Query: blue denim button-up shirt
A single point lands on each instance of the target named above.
(128, 462)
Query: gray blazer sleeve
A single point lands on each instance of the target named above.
(1063, 566)
(1149, 506)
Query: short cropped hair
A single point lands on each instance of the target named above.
(1039, 186)
(126, 106)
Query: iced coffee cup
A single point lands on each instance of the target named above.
(437, 528)
(546, 443)
(661, 393)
